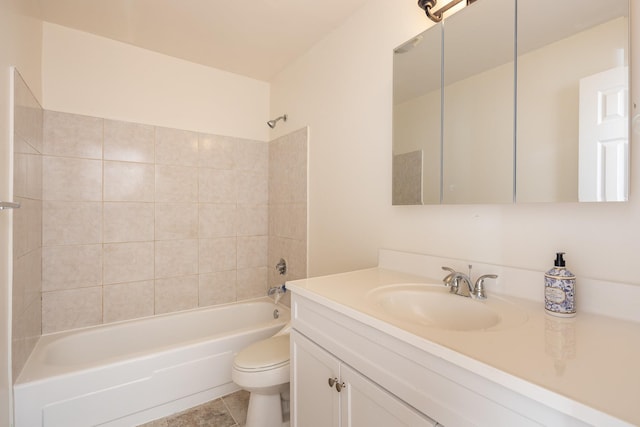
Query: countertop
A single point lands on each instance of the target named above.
(587, 366)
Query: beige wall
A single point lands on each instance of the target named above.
(87, 74)
(342, 89)
(20, 45)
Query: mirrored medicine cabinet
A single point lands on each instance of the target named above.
(499, 103)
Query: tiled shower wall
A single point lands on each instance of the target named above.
(141, 220)
(288, 206)
(27, 224)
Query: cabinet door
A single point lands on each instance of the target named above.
(314, 403)
(365, 404)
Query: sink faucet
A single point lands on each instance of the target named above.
(476, 291)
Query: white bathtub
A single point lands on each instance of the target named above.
(132, 372)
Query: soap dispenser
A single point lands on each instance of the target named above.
(559, 289)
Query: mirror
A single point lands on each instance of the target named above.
(571, 129)
(417, 102)
(573, 116)
(478, 104)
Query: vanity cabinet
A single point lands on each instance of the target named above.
(386, 375)
(327, 392)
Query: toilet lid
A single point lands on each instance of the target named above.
(266, 354)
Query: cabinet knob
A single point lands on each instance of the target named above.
(332, 382)
(340, 386)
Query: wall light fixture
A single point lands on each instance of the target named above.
(436, 16)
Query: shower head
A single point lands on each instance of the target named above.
(272, 123)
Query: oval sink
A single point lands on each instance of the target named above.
(434, 306)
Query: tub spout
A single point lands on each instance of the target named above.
(277, 292)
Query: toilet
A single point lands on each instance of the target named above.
(263, 370)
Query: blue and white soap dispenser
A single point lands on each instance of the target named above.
(559, 289)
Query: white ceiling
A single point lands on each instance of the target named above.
(255, 38)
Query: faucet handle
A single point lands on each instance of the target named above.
(451, 280)
(448, 279)
(478, 289)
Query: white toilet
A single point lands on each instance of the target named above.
(263, 369)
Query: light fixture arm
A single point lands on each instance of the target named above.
(436, 16)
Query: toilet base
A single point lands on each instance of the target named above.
(265, 410)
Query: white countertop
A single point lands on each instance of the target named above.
(587, 366)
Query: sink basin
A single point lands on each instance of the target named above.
(434, 306)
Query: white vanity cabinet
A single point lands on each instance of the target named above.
(327, 392)
(385, 375)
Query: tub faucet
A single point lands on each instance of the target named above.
(476, 291)
(277, 292)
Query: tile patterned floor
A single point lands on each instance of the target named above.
(228, 411)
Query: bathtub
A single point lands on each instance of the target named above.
(132, 372)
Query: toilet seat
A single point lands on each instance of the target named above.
(268, 354)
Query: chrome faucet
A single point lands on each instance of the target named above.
(277, 292)
(476, 291)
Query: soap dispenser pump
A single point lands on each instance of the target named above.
(559, 289)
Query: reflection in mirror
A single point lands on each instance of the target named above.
(416, 119)
(572, 98)
(478, 110)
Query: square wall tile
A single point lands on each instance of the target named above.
(176, 221)
(176, 184)
(72, 135)
(251, 283)
(217, 288)
(252, 251)
(176, 147)
(176, 258)
(217, 152)
(216, 186)
(288, 220)
(176, 293)
(128, 262)
(128, 222)
(128, 301)
(70, 267)
(217, 255)
(252, 220)
(72, 179)
(129, 142)
(62, 310)
(71, 223)
(216, 220)
(253, 188)
(252, 155)
(128, 182)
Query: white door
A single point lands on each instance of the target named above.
(604, 136)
